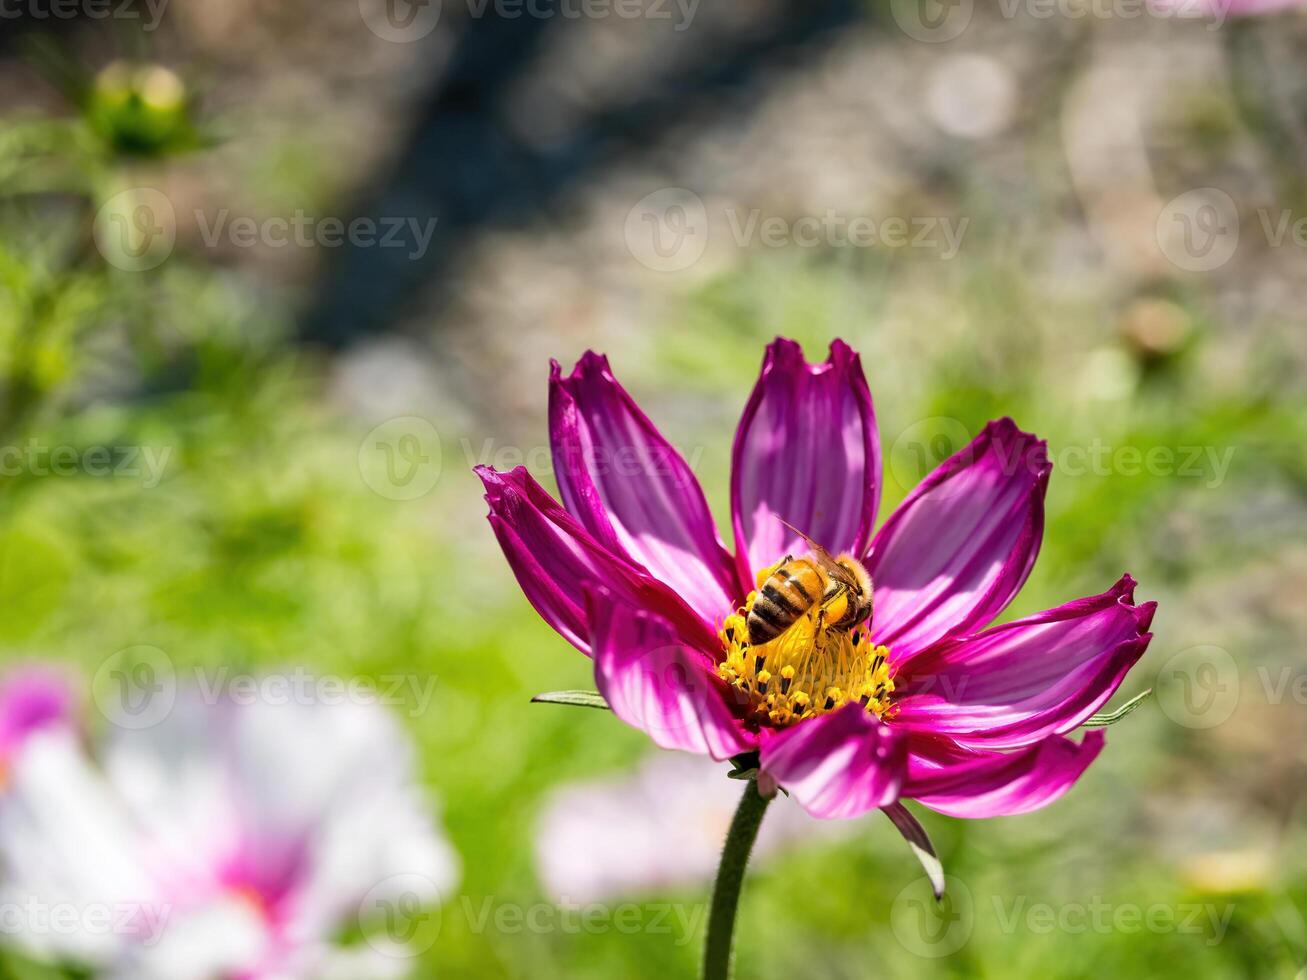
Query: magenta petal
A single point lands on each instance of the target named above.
(654, 681)
(839, 765)
(555, 560)
(635, 493)
(807, 452)
(956, 551)
(31, 698)
(996, 784)
(1015, 684)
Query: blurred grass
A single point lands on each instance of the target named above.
(262, 548)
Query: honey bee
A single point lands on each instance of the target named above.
(841, 587)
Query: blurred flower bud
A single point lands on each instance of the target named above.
(1154, 330)
(141, 110)
(1228, 872)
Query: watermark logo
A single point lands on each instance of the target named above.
(932, 21)
(1199, 687)
(922, 446)
(400, 916)
(136, 687)
(136, 229)
(401, 459)
(930, 928)
(1198, 231)
(667, 231)
(400, 21)
(662, 691)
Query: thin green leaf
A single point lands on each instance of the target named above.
(579, 699)
(1112, 717)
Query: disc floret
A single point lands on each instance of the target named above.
(809, 670)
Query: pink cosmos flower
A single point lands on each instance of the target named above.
(921, 701)
(267, 826)
(62, 833)
(230, 840)
(657, 828)
(32, 698)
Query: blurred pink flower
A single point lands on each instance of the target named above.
(32, 697)
(65, 840)
(242, 838)
(914, 703)
(658, 828)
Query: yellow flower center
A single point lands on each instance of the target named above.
(806, 671)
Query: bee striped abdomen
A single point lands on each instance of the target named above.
(789, 592)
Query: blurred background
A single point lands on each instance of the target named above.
(275, 276)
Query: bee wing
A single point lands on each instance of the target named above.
(824, 558)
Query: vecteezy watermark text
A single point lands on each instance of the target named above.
(680, 12)
(669, 229)
(149, 12)
(940, 21)
(1102, 917)
(664, 462)
(304, 230)
(405, 21)
(925, 444)
(932, 929)
(299, 686)
(1210, 464)
(591, 919)
(137, 687)
(136, 230)
(33, 917)
(35, 458)
(832, 229)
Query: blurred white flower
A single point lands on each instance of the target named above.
(244, 837)
(65, 861)
(658, 828)
(972, 95)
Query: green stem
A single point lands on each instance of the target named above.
(730, 876)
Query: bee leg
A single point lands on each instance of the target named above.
(835, 606)
(819, 632)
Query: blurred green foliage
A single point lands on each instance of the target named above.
(260, 547)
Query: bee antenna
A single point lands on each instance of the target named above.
(796, 531)
(817, 549)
